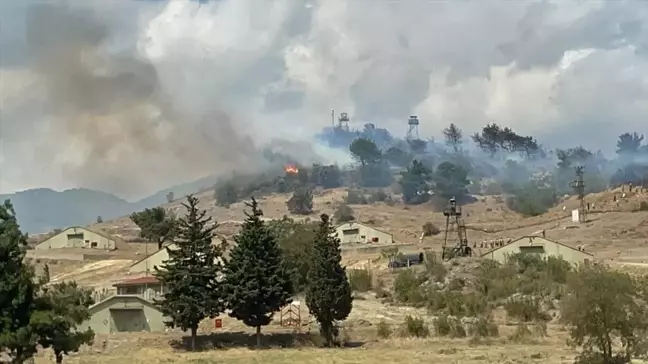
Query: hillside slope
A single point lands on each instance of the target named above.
(42, 210)
(611, 227)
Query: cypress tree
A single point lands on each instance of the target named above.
(193, 272)
(17, 290)
(328, 293)
(258, 282)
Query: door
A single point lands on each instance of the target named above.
(128, 320)
(75, 240)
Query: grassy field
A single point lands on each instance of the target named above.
(397, 351)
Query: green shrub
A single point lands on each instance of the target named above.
(383, 330)
(343, 213)
(356, 197)
(360, 279)
(442, 326)
(429, 229)
(407, 288)
(415, 327)
(483, 327)
(525, 309)
(445, 325)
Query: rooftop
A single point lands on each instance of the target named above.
(137, 281)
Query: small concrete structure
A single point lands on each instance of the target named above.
(406, 260)
(125, 313)
(357, 233)
(541, 246)
(78, 237)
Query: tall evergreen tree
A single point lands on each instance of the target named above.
(328, 293)
(193, 273)
(258, 282)
(17, 289)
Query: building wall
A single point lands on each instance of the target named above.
(77, 237)
(154, 260)
(355, 233)
(129, 313)
(531, 244)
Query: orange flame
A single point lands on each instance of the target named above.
(291, 169)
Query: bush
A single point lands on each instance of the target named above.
(383, 330)
(407, 288)
(343, 213)
(226, 194)
(435, 268)
(525, 309)
(360, 280)
(301, 201)
(379, 196)
(455, 303)
(429, 229)
(445, 325)
(415, 327)
(531, 200)
(356, 197)
(483, 327)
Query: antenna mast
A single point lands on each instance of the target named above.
(455, 223)
(579, 187)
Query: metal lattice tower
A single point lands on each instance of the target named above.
(455, 224)
(290, 315)
(343, 121)
(579, 187)
(412, 128)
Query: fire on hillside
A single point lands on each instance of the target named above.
(291, 169)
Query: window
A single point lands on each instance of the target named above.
(533, 249)
(350, 232)
(75, 236)
(93, 244)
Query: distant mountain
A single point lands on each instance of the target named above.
(42, 210)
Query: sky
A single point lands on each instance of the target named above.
(132, 97)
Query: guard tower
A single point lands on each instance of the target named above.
(412, 128)
(579, 187)
(343, 121)
(455, 225)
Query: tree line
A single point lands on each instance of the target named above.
(254, 281)
(531, 176)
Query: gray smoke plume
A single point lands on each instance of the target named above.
(134, 96)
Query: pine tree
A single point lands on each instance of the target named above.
(193, 272)
(258, 283)
(17, 289)
(61, 308)
(328, 294)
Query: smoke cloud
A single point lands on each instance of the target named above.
(130, 97)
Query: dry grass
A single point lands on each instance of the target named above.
(398, 351)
